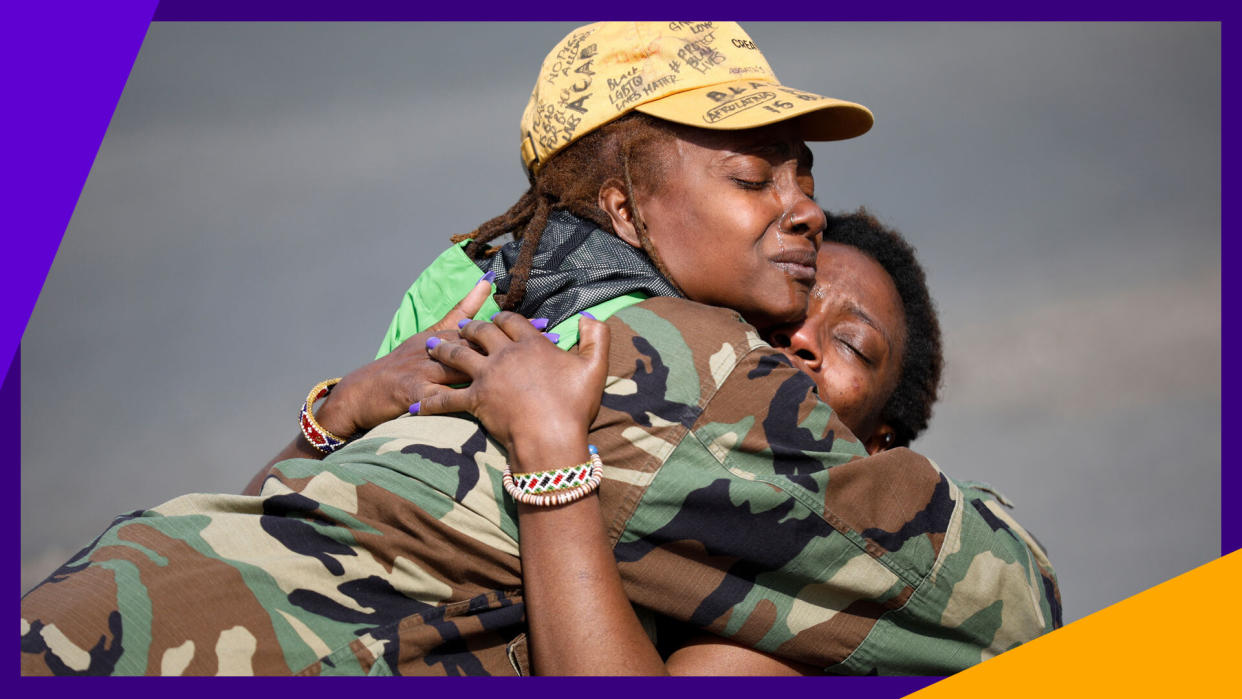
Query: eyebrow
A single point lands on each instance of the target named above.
(857, 311)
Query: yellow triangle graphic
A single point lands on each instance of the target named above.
(1180, 638)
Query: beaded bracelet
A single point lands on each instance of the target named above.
(557, 486)
(318, 437)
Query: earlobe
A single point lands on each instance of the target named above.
(883, 439)
(616, 203)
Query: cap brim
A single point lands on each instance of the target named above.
(747, 104)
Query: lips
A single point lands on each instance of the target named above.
(799, 264)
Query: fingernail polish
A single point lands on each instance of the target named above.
(489, 277)
(414, 407)
(539, 323)
(493, 315)
(553, 337)
(463, 323)
(588, 315)
(432, 342)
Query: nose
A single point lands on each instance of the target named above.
(804, 217)
(800, 340)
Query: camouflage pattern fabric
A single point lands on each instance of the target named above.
(736, 500)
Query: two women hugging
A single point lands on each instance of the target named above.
(749, 369)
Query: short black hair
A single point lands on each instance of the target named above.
(909, 409)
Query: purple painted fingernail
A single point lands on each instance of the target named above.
(539, 323)
(489, 277)
(588, 315)
(492, 316)
(432, 342)
(463, 322)
(414, 407)
(552, 337)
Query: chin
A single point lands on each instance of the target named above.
(794, 310)
(787, 305)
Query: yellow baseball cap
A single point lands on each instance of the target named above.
(705, 74)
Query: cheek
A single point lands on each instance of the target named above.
(706, 269)
(679, 237)
(845, 390)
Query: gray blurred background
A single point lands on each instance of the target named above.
(266, 192)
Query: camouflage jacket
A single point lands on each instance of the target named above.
(736, 500)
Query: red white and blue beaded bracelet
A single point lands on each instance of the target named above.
(318, 437)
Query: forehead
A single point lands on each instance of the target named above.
(848, 275)
(839, 262)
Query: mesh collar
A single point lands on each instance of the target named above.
(577, 266)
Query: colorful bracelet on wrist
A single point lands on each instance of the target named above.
(557, 486)
(318, 437)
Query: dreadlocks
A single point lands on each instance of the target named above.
(571, 181)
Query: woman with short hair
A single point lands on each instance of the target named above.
(398, 552)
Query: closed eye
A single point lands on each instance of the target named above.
(751, 184)
(858, 353)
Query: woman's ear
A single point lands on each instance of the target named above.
(615, 202)
(883, 439)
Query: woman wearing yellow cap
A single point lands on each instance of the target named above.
(610, 99)
(665, 160)
(670, 190)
